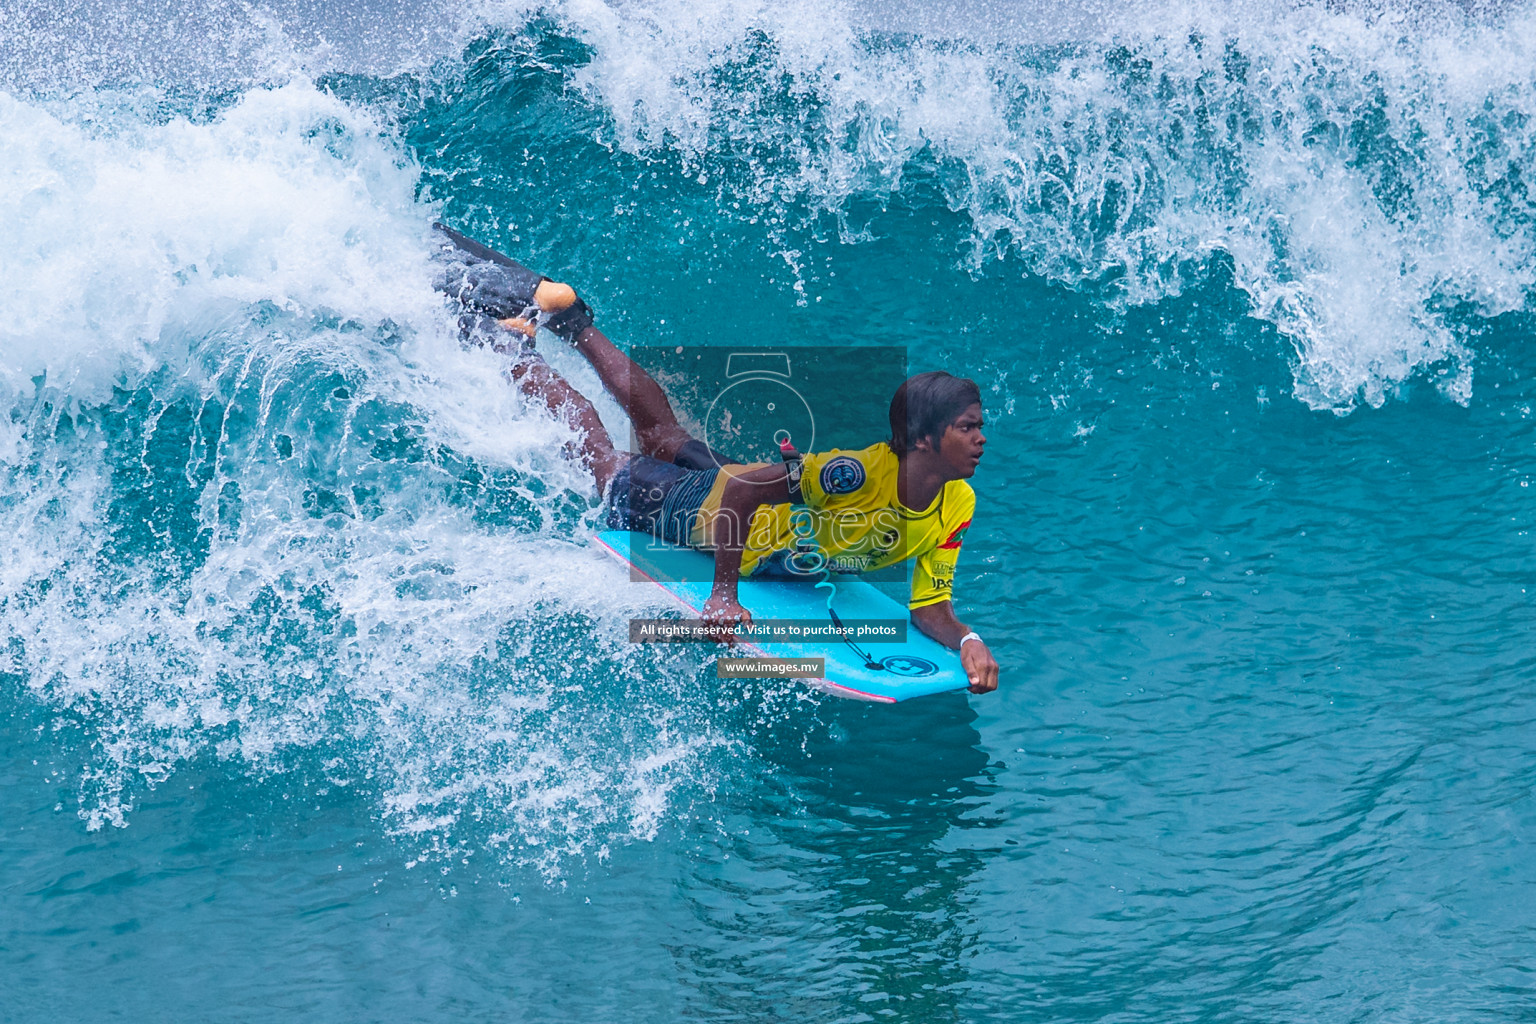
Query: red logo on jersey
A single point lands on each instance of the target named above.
(957, 538)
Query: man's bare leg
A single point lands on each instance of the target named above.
(656, 425)
(536, 378)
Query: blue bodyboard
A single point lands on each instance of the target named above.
(889, 672)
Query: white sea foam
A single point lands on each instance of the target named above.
(1360, 163)
(243, 500)
(113, 241)
(1361, 167)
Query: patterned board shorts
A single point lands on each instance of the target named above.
(663, 498)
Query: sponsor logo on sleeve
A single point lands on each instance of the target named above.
(843, 475)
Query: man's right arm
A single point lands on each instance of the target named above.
(743, 495)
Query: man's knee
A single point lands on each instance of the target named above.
(663, 441)
(605, 465)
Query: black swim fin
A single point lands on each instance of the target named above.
(484, 280)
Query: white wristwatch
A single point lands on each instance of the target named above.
(972, 635)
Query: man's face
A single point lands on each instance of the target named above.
(961, 445)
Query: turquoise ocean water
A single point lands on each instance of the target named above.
(315, 697)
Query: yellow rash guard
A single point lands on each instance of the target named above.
(861, 525)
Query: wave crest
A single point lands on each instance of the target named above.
(1362, 171)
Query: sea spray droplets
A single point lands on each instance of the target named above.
(259, 506)
(1360, 172)
(460, 667)
(153, 235)
(69, 47)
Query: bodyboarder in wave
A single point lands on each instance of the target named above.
(899, 499)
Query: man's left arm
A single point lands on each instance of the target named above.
(933, 611)
(938, 621)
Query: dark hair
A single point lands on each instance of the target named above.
(927, 403)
